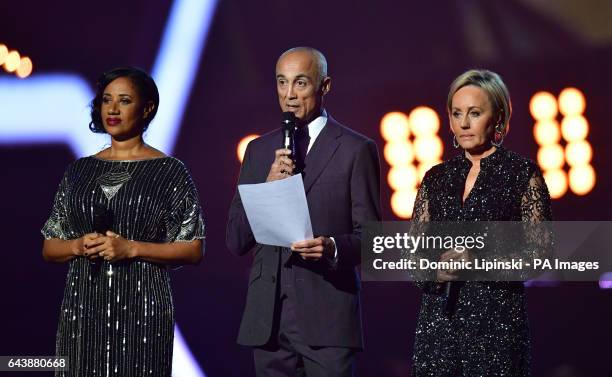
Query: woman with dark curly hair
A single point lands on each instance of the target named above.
(119, 218)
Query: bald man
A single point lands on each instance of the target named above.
(302, 313)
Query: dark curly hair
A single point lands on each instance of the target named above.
(144, 84)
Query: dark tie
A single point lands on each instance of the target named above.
(302, 139)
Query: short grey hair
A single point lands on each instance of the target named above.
(494, 86)
(318, 56)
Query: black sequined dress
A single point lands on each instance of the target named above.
(487, 334)
(117, 319)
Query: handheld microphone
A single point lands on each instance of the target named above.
(448, 307)
(102, 219)
(289, 124)
(451, 294)
(102, 222)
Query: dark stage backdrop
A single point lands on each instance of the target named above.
(383, 56)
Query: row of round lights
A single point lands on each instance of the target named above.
(13, 62)
(412, 146)
(574, 128)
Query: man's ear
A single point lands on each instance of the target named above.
(325, 85)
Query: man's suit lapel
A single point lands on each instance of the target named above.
(321, 152)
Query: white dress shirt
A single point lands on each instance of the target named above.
(315, 127)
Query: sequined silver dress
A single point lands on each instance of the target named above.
(488, 333)
(117, 319)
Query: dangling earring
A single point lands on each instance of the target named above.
(455, 142)
(498, 141)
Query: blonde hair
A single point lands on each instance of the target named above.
(495, 88)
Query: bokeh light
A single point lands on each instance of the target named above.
(571, 102)
(402, 203)
(578, 153)
(394, 127)
(551, 157)
(574, 128)
(582, 179)
(398, 153)
(428, 148)
(25, 67)
(401, 177)
(242, 145)
(424, 121)
(556, 180)
(3, 53)
(547, 132)
(543, 106)
(12, 61)
(605, 281)
(412, 147)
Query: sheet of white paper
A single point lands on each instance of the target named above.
(277, 211)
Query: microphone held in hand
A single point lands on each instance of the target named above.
(289, 125)
(102, 219)
(451, 295)
(102, 222)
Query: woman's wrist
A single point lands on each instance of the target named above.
(76, 246)
(133, 249)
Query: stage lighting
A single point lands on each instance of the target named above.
(543, 106)
(556, 180)
(605, 281)
(3, 53)
(551, 157)
(402, 203)
(399, 153)
(412, 147)
(394, 127)
(578, 153)
(428, 148)
(402, 176)
(12, 61)
(424, 121)
(25, 67)
(571, 102)
(242, 145)
(582, 179)
(574, 128)
(547, 132)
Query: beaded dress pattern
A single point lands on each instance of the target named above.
(487, 334)
(117, 319)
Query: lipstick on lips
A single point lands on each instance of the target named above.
(113, 121)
